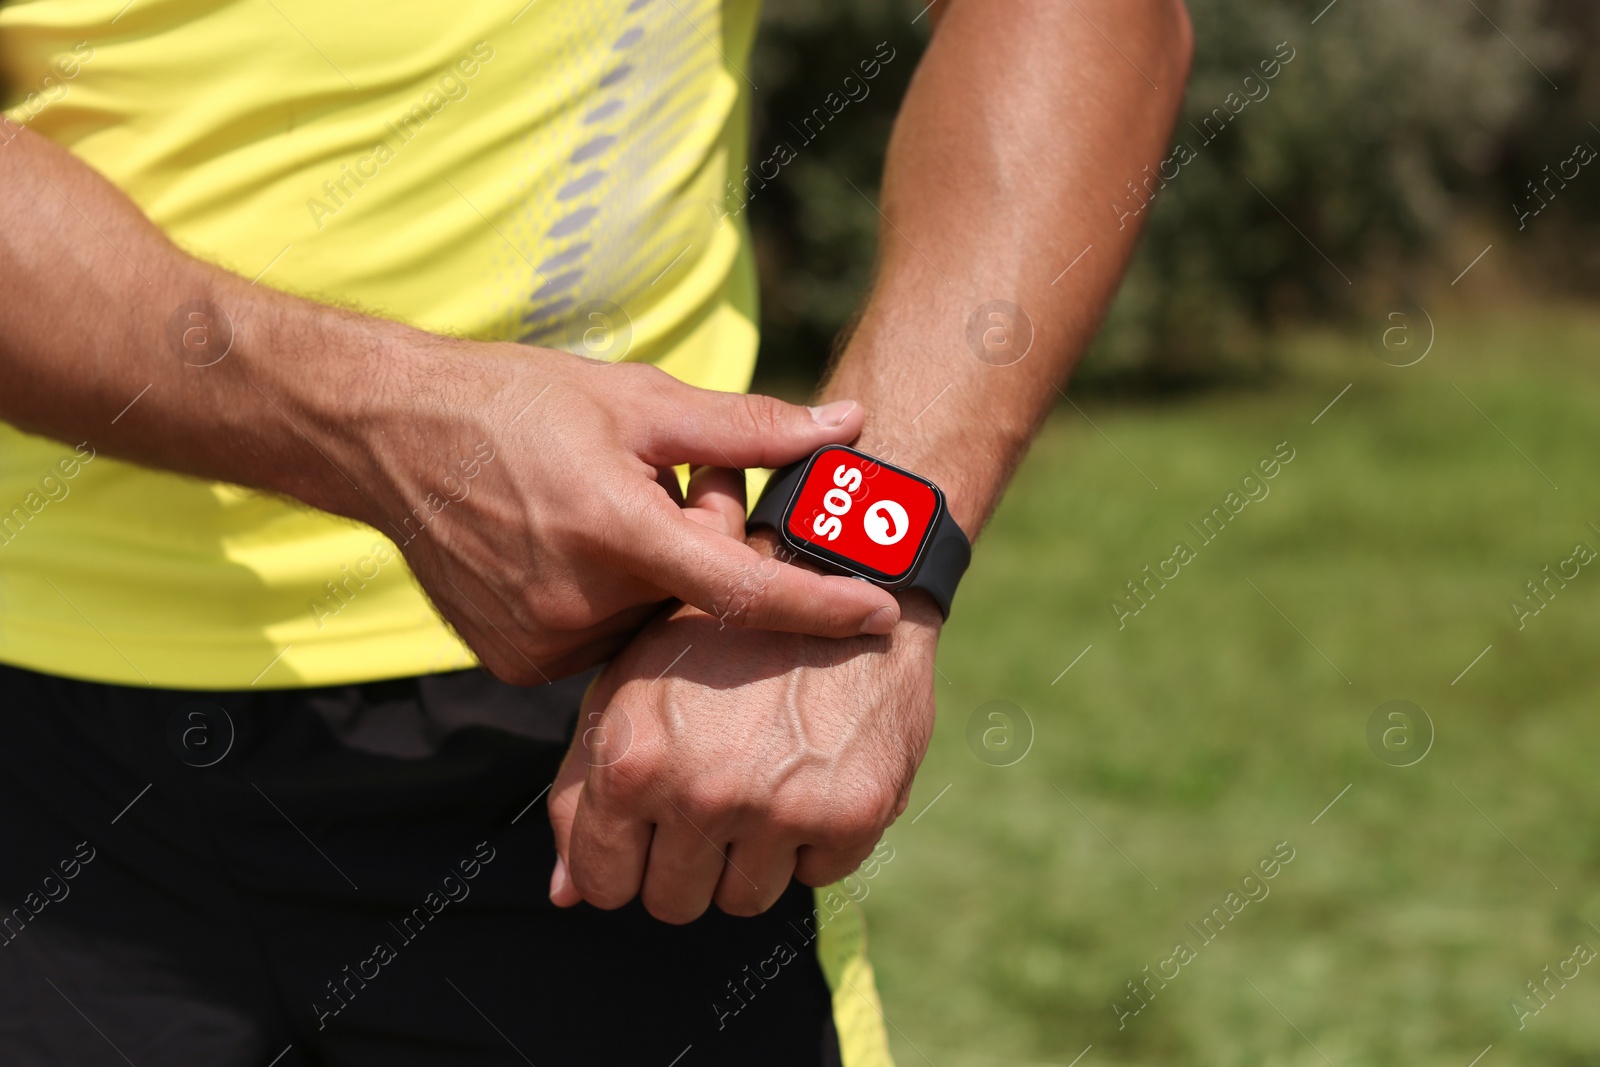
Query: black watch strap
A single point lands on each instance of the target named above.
(774, 499)
(938, 572)
(943, 563)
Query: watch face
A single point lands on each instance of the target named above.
(869, 517)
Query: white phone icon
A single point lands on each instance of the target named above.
(886, 522)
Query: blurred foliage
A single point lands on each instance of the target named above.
(1397, 126)
(814, 234)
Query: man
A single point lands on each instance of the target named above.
(292, 448)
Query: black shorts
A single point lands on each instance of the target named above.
(346, 876)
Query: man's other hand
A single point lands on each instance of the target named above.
(712, 764)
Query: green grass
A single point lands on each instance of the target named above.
(1209, 729)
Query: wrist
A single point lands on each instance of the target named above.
(917, 609)
(944, 419)
(339, 392)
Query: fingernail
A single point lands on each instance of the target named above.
(880, 622)
(834, 414)
(559, 881)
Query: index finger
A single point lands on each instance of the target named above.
(727, 578)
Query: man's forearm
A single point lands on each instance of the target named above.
(1023, 121)
(102, 310)
(110, 334)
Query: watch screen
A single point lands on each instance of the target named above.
(868, 515)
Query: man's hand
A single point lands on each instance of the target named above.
(574, 532)
(712, 765)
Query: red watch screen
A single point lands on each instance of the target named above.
(868, 515)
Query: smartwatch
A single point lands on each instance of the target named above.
(856, 515)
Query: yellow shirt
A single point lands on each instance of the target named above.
(480, 169)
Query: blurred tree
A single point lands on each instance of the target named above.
(1376, 137)
(814, 234)
(1561, 245)
(1386, 123)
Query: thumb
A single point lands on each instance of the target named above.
(745, 430)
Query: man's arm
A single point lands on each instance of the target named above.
(1022, 123)
(110, 333)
